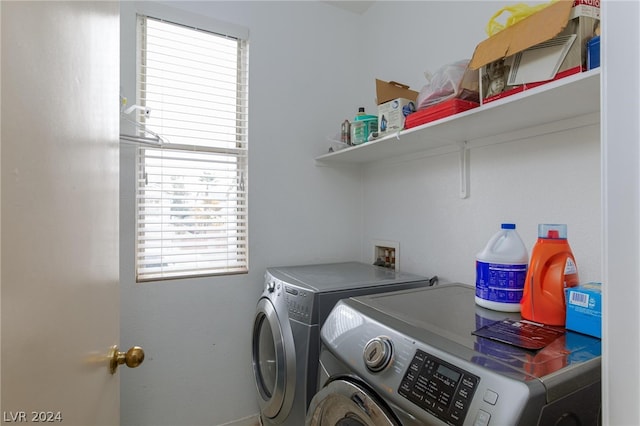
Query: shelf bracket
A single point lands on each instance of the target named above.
(464, 169)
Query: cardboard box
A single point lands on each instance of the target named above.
(392, 114)
(542, 47)
(584, 309)
(388, 91)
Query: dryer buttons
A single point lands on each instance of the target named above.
(377, 353)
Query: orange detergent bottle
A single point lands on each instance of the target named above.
(552, 268)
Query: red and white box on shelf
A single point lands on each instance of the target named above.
(438, 111)
(546, 46)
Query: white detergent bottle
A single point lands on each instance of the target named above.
(501, 270)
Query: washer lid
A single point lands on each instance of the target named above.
(445, 317)
(340, 276)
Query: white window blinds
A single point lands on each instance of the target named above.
(191, 210)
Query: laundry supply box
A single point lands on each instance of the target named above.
(593, 53)
(584, 308)
(545, 46)
(395, 102)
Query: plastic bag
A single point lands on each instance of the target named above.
(450, 81)
(518, 13)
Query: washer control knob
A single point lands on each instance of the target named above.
(377, 353)
(271, 286)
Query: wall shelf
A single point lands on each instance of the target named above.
(571, 102)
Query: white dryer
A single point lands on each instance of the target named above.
(411, 358)
(286, 332)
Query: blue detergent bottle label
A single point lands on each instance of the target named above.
(502, 283)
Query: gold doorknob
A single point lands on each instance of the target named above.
(132, 358)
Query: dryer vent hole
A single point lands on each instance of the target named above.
(385, 257)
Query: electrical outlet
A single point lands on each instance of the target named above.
(387, 254)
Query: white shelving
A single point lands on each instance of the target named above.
(567, 103)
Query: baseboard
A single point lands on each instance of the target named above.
(245, 421)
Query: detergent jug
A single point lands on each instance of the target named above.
(501, 269)
(552, 268)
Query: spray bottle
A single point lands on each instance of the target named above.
(552, 268)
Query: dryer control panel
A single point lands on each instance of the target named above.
(299, 303)
(442, 389)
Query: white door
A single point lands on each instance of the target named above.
(60, 301)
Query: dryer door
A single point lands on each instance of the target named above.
(345, 402)
(273, 356)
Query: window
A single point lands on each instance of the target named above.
(191, 202)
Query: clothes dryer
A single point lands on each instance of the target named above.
(409, 358)
(286, 331)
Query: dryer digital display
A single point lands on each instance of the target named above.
(438, 387)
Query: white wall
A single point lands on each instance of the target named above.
(196, 333)
(403, 39)
(311, 66)
(552, 179)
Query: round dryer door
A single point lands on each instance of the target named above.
(343, 402)
(273, 357)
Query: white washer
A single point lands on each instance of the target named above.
(286, 331)
(409, 358)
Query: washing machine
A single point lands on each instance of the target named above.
(412, 358)
(286, 332)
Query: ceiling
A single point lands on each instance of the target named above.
(357, 6)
